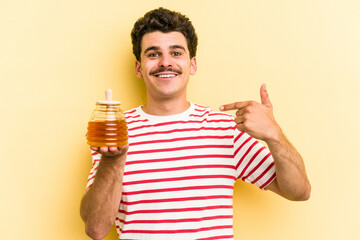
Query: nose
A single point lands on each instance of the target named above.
(165, 61)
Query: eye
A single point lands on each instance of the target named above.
(176, 53)
(153, 54)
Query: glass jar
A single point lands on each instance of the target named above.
(107, 126)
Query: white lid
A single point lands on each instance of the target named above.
(108, 98)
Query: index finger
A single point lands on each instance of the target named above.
(233, 106)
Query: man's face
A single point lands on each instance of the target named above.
(165, 65)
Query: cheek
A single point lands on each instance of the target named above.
(148, 67)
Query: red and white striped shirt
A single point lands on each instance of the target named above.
(180, 173)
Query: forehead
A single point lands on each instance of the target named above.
(163, 40)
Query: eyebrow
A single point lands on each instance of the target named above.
(154, 48)
(150, 49)
(177, 46)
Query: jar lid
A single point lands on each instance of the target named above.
(108, 98)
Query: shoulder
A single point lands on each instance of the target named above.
(131, 111)
(134, 116)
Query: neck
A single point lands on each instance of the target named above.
(165, 107)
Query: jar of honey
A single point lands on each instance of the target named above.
(107, 126)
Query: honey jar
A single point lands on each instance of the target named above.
(107, 126)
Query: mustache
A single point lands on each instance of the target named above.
(163, 69)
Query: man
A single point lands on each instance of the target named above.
(175, 179)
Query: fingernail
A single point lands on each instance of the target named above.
(221, 108)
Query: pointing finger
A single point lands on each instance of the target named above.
(233, 106)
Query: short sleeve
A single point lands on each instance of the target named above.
(254, 162)
(95, 163)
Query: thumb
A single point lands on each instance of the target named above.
(265, 100)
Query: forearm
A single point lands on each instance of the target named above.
(100, 204)
(291, 178)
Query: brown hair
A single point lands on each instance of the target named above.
(165, 21)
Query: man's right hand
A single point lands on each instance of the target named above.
(111, 151)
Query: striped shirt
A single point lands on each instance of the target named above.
(180, 173)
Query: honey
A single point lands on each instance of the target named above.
(107, 133)
(107, 126)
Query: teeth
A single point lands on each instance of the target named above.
(166, 75)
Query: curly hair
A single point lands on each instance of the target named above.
(165, 21)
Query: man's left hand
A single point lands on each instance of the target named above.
(256, 119)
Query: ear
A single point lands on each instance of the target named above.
(138, 69)
(193, 66)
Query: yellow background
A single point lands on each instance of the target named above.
(58, 57)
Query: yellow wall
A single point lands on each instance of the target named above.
(58, 57)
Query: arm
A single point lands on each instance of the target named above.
(257, 119)
(100, 203)
(291, 181)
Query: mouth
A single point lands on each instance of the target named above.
(165, 75)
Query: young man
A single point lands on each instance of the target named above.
(175, 179)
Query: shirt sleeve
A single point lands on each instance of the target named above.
(95, 163)
(254, 162)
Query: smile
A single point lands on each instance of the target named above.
(166, 75)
